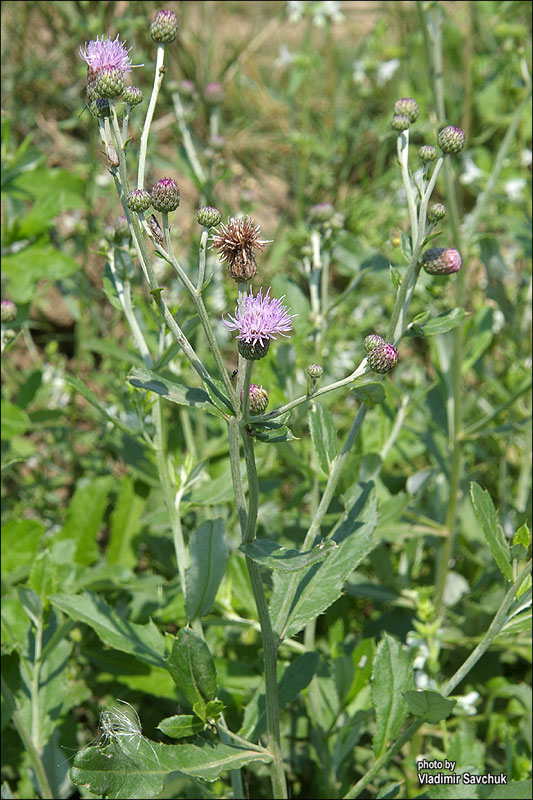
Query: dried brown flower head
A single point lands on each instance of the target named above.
(236, 242)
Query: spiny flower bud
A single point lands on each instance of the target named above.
(132, 95)
(109, 82)
(253, 351)
(427, 152)
(9, 311)
(164, 27)
(165, 195)
(441, 261)
(383, 358)
(99, 108)
(258, 399)
(214, 93)
(407, 107)
(451, 139)
(372, 340)
(399, 123)
(208, 216)
(321, 213)
(314, 371)
(139, 200)
(436, 212)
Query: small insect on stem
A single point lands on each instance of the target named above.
(155, 228)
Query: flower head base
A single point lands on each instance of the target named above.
(399, 122)
(315, 371)
(441, 261)
(164, 27)
(109, 82)
(451, 139)
(383, 358)
(437, 211)
(372, 340)
(407, 107)
(132, 95)
(104, 54)
(165, 195)
(236, 243)
(208, 216)
(258, 319)
(139, 200)
(427, 152)
(258, 402)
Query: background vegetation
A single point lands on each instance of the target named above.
(305, 118)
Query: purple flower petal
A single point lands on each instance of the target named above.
(260, 318)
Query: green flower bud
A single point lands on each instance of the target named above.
(441, 261)
(321, 213)
(258, 399)
(451, 139)
(407, 107)
(139, 200)
(8, 311)
(383, 358)
(208, 216)
(109, 82)
(121, 229)
(436, 212)
(132, 95)
(164, 27)
(99, 108)
(371, 341)
(427, 152)
(400, 123)
(314, 371)
(253, 352)
(165, 195)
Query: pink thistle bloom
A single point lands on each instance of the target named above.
(258, 319)
(106, 54)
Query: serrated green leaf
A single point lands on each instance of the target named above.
(272, 555)
(297, 599)
(323, 435)
(209, 555)
(522, 536)
(170, 390)
(137, 768)
(193, 670)
(441, 324)
(269, 435)
(429, 704)
(370, 393)
(486, 514)
(145, 642)
(392, 675)
(181, 725)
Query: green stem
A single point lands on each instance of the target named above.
(187, 140)
(403, 157)
(491, 634)
(158, 80)
(202, 259)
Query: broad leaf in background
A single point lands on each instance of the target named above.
(392, 675)
(323, 435)
(486, 514)
(135, 767)
(272, 555)
(322, 584)
(85, 514)
(125, 523)
(193, 670)
(145, 642)
(209, 555)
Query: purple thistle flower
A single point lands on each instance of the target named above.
(104, 54)
(258, 319)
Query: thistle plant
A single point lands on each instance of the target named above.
(301, 584)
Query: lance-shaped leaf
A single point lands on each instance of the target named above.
(392, 675)
(297, 599)
(441, 324)
(145, 642)
(323, 435)
(193, 670)
(134, 767)
(209, 555)
(175, 392)
(486, 514)
(429, 704)
(180, 726)
(272, 555)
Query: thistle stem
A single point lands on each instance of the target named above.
(158, 80)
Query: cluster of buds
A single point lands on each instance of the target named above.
(405, 112)
(382, 356)
(164, 197)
